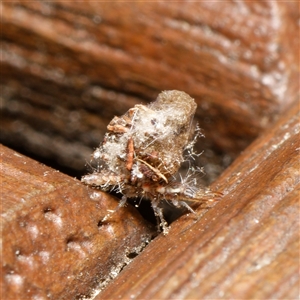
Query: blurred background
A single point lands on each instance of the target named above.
(67, 68)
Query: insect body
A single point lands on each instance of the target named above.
(143, 151)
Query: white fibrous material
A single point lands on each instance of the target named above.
(143, 150)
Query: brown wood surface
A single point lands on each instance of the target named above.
(69, 66)
(245, 247)
(54, 243)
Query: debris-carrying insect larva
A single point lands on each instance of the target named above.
(142, 152)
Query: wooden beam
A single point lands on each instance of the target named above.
(245, 247)
(54, 243)
(69, 67)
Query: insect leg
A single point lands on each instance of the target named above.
(182, 203)
(160, 217)
(122, 203)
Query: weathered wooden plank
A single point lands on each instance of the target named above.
(245, 247)
(68, 67)
(54, 243)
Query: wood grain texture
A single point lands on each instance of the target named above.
(69, 67)
(54, 243)
(245, 247)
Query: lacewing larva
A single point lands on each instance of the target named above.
(143, 150)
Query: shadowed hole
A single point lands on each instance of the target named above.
(47, 210)
(102, 223)
(132, 255)
(73, 243)
(72, 239)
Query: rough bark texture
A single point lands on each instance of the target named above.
(245, 247)
(69, 67)
(54, 243)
